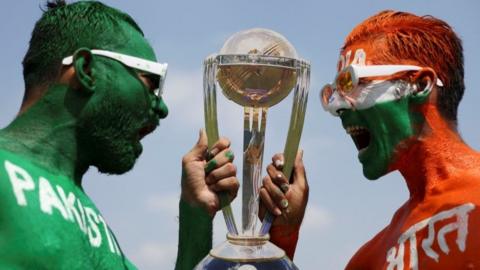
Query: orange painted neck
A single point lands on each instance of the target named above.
(436, 155)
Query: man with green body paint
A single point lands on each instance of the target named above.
(91, 82)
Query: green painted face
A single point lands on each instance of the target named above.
(121, 110)
(381, 131)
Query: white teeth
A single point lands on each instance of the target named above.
(355, 130)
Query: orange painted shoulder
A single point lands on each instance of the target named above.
(364, 258)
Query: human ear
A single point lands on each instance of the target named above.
(424, 81)
(82, 62)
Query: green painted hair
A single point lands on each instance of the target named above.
(64, 28)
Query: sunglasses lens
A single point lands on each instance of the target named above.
(325, 94)
(155, 82)
(344, 81)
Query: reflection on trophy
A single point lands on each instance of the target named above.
(256, 69)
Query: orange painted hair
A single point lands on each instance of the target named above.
(404, 38)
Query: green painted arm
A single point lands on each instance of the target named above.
(195, 236)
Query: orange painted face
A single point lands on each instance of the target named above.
(390, 120)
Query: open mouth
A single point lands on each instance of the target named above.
(360, 136)
(145, 131)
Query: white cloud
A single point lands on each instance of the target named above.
(156, 256)
(163, 203)
(183, 85)
(316, 219)
(184, 97)
(220, 229)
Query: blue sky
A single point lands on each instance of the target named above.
(345, 210)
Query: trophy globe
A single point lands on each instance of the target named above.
(251, 72)
(256, 69)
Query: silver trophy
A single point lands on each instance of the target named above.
(256, 69)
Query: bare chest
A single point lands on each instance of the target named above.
(445, 239)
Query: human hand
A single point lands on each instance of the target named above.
(203, 179)
(286, 199)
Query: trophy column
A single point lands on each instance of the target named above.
(253, 143)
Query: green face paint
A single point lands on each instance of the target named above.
(121, 111)
(379, 131)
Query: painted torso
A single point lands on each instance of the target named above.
(438, 232)
(48, 222)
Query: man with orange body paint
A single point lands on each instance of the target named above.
(399, 83)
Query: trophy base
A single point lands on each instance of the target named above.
(246, 253)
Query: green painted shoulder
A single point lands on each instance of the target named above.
(52, 223)
(6, 155)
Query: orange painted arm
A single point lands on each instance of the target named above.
(285, 237)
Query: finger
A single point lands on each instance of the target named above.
(219, 160)
(199, 149)
(299, 175)
(278, 178)
(274, 191)
(278, 161)
(229, 185)
(268, 202)
(218, 146)
(261, 208)
(225, 171)
(212, 206)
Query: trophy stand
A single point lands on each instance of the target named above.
(256, 69)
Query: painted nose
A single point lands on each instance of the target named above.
(160, 108)
(337, 104)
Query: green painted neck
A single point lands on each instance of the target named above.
(46, 133)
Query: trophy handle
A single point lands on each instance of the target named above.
(294, 132)
(211, 126)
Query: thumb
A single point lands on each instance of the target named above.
(299, 176)
(199, 149)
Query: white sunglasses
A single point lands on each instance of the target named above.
(151, 67)
(348, 79)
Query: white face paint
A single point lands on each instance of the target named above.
(366, 96)
(377, 92)
(359, 59)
